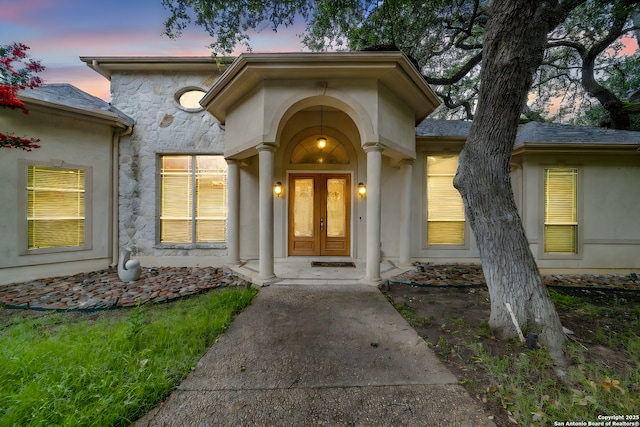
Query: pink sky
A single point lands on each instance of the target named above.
(630, 45)
(60, 31)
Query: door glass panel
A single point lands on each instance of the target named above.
(303, 207)
(336, 214)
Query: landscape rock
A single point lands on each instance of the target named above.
(103, 289)
(470, 275)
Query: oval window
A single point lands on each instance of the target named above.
(190, 99)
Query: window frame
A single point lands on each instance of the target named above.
(193, 244)
(425, 192)
(184, 90)
(23, 224)
(542, 254)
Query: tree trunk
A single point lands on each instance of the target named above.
(515, 39)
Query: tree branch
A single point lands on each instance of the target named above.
(464, 103)
(463, 71)
(582, 50)
(613, 105)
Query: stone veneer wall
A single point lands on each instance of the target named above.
(162, 127)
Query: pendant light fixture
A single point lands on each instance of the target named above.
(321, 141)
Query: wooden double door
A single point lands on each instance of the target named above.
(319, 214)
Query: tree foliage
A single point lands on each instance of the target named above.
(11, 75)
(445, 39)
(584, 57)
(17, 71)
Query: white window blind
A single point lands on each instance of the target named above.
(445, 210)
(193, 202)
(55, 207)
(560, 211)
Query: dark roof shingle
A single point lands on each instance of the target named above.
(535, 132)
(70, 96)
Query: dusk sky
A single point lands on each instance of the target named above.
(60, 31)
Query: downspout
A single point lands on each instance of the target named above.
(96, 66)
(114, 199)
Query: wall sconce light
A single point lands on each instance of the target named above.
(277, 189)
(362, 190)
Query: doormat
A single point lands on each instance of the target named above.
(332, 264)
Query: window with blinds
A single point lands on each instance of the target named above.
(560, 211)
(193, 199)
(55, 207)
(445, 210)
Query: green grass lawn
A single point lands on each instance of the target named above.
(109, 369)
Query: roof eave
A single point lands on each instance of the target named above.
(107, 65)
(96, 116)
(249, 69)
(558, 147)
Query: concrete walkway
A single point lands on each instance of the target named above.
(319, 355)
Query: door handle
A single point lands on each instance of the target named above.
(321, 223)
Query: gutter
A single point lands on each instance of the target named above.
(114, 199)
(96, 115)
(557, 147)
(95, 65)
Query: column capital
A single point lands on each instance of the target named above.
(232, 161)
(408, 162)
(373, 146)
(267, 146)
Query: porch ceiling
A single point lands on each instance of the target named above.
(393, 69)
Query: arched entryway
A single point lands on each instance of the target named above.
(379, 98)
(320, 164)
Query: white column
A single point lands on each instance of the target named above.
(404, 250)
(233, 212)
(265, 210)
(374, 173)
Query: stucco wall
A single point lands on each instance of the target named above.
(77, 143)
(249, 212)
(396, 124)
(162, 127)
(608, 210)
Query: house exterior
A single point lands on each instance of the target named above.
(333, 156)
(575, 188)
(58, 211)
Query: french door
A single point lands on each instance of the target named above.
(319, 214)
